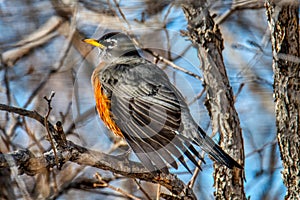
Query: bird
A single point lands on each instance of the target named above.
(136, 101)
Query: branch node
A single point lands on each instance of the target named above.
(62, 140)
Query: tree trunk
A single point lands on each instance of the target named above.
(283, 21)
(207, 38)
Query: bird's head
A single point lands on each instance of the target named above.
(114, 44)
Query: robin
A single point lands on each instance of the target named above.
(136, 101)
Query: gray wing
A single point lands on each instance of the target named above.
(148, 111)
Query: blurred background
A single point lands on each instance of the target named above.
(41, 51)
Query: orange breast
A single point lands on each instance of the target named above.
(103, 108)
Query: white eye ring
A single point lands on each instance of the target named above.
(112, 43)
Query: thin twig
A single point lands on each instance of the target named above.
(167, 14)
(171, 64)
(122, 14)
(11, 56)
(197, 97)
(47, 126)
(195, 174)
(32, 136)
(64, 115)
(7, 85)
(38, 88)
(182, 53)
(167, 33)
(142, 189)
(158, 192)
(119, 190)
(68, 45)
(262, 148)
(239, 91)
(55, 186)
(240, 5)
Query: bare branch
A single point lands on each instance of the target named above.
(207, 38)
(103, 183)
(41, 36)
(142, 189)
(47, 127)
(171, 64)
(30, 164)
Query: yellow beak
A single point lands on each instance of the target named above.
(94, 43)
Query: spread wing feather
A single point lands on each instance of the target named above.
(148, 110)
(149, 116)
(138, 138)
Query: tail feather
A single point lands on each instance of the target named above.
(215, 151)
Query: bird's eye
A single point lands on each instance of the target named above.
(110, 43)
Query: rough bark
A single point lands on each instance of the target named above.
(67, 151)
(283, 21)
(207, 38)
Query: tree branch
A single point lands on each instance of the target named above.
(207, 38)
(30, 164)
(283, 19)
